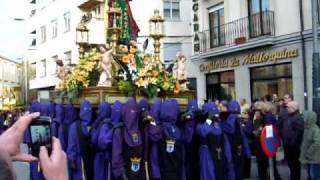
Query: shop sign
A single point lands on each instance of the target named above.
(196, 42)
(252, 58)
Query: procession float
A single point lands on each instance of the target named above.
(118, 70)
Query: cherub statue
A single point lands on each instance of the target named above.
(62, 74)
(105, 79)
(180, 70)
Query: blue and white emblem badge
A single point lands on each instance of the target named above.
(135, 164)
(170, 145)
(135, 138)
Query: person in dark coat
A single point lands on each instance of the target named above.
(214, 152)
(79, 151)
(128, 145)
(246, 124)
(171, 145)
(236, 137)
(292, 132)
(263, 116)
(100, 164)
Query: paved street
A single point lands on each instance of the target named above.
(22, 169)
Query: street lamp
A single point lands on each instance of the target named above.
(82, 38)
(156, 29)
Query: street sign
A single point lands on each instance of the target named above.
(270, 140)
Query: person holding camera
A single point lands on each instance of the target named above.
(53, 166)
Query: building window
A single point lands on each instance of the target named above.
(268, 80)
(171, 9)
(221, 86)
(66, 18)
(43, 33)
(170, 50)
(32, 70)
(54, 59)
(43, 68)
(259, 20)
(67, 58)
(216, 23)
(97, 12)
(54, 25)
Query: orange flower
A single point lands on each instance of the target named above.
(133, 50)
(125, 59)
(178, 88)
(155, 73)
(130, 56)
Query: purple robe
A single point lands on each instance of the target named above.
(68, 117)
(73, 151)
(100, 164)
(57, 121)
(130, 114)
(207, 168)
(229, 127)
(154, 158)
(168, 116)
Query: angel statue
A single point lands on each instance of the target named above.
(180, 69)
(105, 79)
(62, 74)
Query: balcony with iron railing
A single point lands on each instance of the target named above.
(245, 33)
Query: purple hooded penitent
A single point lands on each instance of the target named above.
(74, 154)
(129, 135)
(171, 146)
(57, 121)
(236, 138)
(144, 105)
(100, 164)
(207, 163)
(68, 118)
(155, 109)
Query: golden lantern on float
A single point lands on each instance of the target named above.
(156, 29)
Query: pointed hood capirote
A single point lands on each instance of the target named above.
(70, 114)
(144, 105)
(59, 111)
(85, 112)
(234, 107)
(116, 112)
(155, 109)
(104, 111)
(210, 107)
(192, 105)
(130, 119)
(169, 111)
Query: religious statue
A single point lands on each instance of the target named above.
(180, 69)
(105, 79)
(62, 74)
